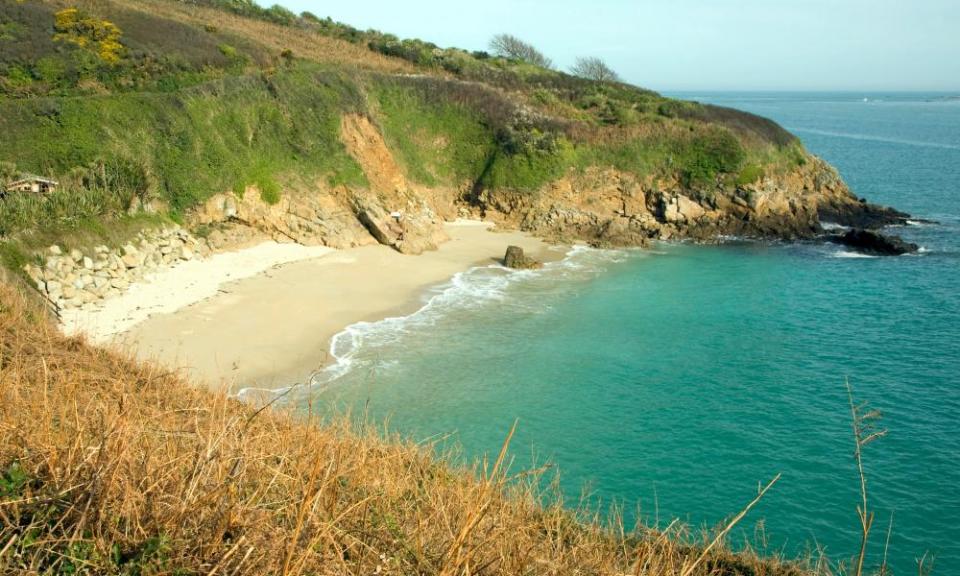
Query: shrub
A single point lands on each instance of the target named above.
(709, 152)
(269, 189)
(528, 170)
(84, 31)
(280, 15)
(750, 174)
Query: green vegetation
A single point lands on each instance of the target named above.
(750, 174)
(710, 153)
(129, 107)
(186, 146)
(438, 142)
(80, 51)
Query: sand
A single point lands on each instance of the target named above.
(183, 284)
(268, 324)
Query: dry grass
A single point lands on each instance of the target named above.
(304, 43)
(112, 467)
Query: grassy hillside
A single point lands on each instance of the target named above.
(142, 109)
(171, 101)
(111, 467)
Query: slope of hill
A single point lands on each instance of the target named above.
(110, 467)
(158, 105)
(220, 113)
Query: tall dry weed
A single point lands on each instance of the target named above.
(109, 466)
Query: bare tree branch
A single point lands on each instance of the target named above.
(510, 46)
(595, 69)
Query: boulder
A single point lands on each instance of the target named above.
(131, 260)
(679, 208)
(870, 242)
(515, 258)
(381, 225)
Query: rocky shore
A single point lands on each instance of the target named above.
(81, 279)
(600, 206)
(603, 206)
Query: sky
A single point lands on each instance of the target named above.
(672, 45)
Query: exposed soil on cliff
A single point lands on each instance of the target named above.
(365, 144)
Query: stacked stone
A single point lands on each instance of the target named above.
(76, 279)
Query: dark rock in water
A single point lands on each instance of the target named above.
(515, 258)
(874, 243)
(861, 215)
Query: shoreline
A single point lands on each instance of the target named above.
(270, 325)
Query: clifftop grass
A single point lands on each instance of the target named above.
(112, 467)
(211, 87)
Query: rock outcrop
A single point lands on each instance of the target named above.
(323, 217)
(515, 258)
(870, 242)
(607, 207)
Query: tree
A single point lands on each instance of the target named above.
(595, 69)
(512, 47)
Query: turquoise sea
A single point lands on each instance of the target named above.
(674, 380)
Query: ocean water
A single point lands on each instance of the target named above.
(674, 380)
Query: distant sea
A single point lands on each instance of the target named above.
(673, 380)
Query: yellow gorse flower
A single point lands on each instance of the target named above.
(85, 31)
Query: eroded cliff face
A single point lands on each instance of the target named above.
(608, 207)
(600, 205)
(389, 211)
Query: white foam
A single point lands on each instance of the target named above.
(849, 254)
(832, 226)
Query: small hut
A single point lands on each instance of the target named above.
(30, 184)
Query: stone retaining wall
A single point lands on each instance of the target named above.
(76, 279)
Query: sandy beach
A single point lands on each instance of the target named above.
(263, 317)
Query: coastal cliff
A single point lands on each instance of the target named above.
(164, 131)
(242, 123)
(602, 206)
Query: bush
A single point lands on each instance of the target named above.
(85, 31)
(528, 170)
(709, 152)
(750, 174)
(279, 15)
(269, 189)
